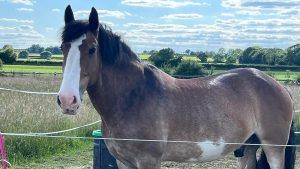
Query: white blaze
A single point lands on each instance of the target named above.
(71, 75)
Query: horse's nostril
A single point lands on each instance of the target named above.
(75, 100)
(58, 101)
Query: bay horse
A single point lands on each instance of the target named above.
(138, 101)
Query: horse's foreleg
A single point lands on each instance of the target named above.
(123, 166)
(149, 163)
(248, 161)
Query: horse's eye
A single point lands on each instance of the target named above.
(92, 50)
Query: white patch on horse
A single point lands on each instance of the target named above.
(71, 74)
(217, 80)
(211, 150)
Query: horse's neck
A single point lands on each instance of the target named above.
(116, 82)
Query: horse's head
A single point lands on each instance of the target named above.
(81, 62)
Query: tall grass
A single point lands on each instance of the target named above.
(24, 113)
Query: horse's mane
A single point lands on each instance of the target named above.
(111, 46)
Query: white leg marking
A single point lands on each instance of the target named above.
(211, 150)
(71, 74)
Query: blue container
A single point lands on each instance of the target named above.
(102, 158)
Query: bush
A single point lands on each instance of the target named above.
(46, 55)
(23, 54)
(162, 57)
(8, 55)
(189, 68)
(1, 64)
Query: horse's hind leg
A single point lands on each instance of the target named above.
(275, 156)
(248, 161)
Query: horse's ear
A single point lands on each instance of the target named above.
(93, 20)
(69, 16)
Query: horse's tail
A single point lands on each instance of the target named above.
(290, 153)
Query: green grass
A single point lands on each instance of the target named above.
(25, 113)
(193, 58)
(144, 56)
(32, 69)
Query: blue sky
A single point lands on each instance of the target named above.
(155, 24)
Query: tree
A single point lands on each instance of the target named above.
(162, 57)
(8, 55)
(7, 46)
(189, 67)
(35, 48)
(54, 50)
(23, 54)
(46, 55)
(293, 55)
(1, 64)
(219, 58)
(231, 59)
(188, 51)
(203, 56)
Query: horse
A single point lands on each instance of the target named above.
(137, 100)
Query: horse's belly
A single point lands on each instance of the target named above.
(198, 152)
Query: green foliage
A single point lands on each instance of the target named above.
(203, 56)
(23, 54)
(167, 68)
(219, 58)
(46, 55)
(35, 48)
(162, 57)
(8, 55)
(258, 55)
(293, 55)
(189, 67)
(230, 60)
(1, 64)
(54, 50)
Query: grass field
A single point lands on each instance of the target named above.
(24, 113)
(32, 68)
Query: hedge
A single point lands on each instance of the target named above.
(38, 62)
(224, 66)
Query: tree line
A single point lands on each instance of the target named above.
(251, 55)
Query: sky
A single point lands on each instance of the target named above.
(156, 24)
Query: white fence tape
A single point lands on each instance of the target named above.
(28, 92)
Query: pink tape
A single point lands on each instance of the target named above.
(2, 150)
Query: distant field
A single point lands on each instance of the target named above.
(31, 69)
(144, 56)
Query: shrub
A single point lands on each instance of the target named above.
(162, 57)
(23, 54)
(230, 59)
(1, 64)
(46, 55)
(8, 55)
(189, 67)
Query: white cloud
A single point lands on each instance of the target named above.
(229, 33)
(16, 20)
(23, 2)
(25, 9)
(102, 13)
(250, 13)
(227, 14)
(55, 10)
(182, 16)
(162, 3)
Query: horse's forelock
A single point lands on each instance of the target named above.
(74, 30)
